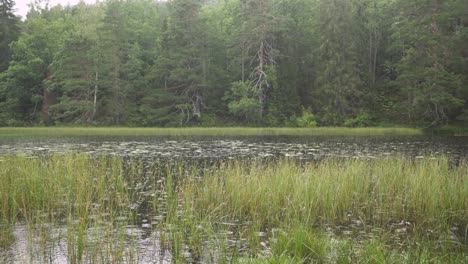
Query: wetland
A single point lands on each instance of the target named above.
(234, 199)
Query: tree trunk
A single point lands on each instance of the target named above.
(93, 116)
(117, 104)
(48, 100)
(196, 105)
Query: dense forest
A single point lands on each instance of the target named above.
(235, 62)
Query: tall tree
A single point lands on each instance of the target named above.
(73, 83)
(27, 92)
(295, 38)
(427, 82)
(182, 68)
(114, 40)
(9, 31)
(338, 76)
(258, 43)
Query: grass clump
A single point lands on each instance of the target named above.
(332, 191)
(413, 199)
(87, 194)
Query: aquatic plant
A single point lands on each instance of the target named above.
(417, 198)
(255, 211)
(87, 193)
(333, 191)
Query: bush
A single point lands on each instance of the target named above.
(209, 120)
(307, 119)
(242, 101)
(364, 119)
(463, 116)
(329, 117)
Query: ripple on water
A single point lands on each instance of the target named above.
(309, 148)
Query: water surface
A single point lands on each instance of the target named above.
(255, 147)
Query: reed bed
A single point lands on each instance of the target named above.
(409, 210)
(86, 194)
(294, 204)
(380, 191)
(197, 131)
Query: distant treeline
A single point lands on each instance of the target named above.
(236, 62)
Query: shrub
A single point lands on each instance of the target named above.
(364, 119)
(307, 119)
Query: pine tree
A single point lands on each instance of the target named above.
(114, 43)
(181, 69)
(74, 80)
(429, 86)
(258, 43)
(338, 76)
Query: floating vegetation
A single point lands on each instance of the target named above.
(303, 148)
(80, 208)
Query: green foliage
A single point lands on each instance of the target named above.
(329, 117)
(170, 63)
(463, 116)
(307, 119)
(209, 120)
(302, 246)
(9, 31)
(364, 119)
(242, 101)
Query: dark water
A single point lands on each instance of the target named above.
(248, 147)
(143, 231)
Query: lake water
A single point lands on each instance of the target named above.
(25, 250)
(308, 148)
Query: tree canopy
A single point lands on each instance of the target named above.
(236, 62)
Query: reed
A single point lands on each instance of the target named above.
(87, 193)
(303, 200)
(241, 212)
(423, 192)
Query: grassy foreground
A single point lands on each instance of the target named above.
(393, 210)
(231, 131)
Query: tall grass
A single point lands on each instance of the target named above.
(231, 131)
(88, 193)
(333, 191)
(295, 204)
(241, 212)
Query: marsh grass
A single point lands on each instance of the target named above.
(32, 132)
(242, 211)
(427, 195)
(382, 191)
(87, 193)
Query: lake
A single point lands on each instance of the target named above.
(307, 148)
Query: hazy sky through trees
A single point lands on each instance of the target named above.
(21, 6)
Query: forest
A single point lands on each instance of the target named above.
(294, 63)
